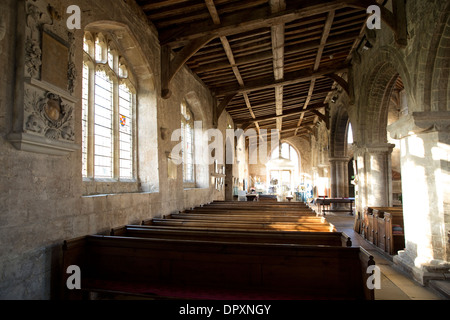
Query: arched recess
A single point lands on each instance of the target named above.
(146, 101)
(385, 101)
(376, 108)
(339, 154)
(338, 133)
(437, 67)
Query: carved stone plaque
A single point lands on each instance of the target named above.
(55, 61)
(43, 114)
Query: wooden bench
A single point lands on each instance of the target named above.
(249, 217)
(322, 202)
(395, 235)
(250, 211)
(285, 226)
(190, 269)
(370, 217)
(253, 236)
(378, 225)
(267, 198)
(295, 205)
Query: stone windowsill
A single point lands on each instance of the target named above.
(105, 187)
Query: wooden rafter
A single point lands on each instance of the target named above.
(323, 42)
(289, 79)
(277, 32)
(247, 20)
(266, 64)
(230, 56)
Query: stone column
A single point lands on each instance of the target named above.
(374, 175)
(229, 183)
(339, 180)
(425, 164)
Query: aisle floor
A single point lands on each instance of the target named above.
(395, 284)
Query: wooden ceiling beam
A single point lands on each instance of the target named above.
(170, 67)
(287, 113)
(278, 58)
(251, 19)
(323, 42)
(289, 79)
(268, 55)
(230, 56)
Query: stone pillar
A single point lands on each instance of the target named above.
(425, 164)
(229, 182)
(374, 175)
(339, 180)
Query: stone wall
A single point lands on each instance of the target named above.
(44, 200)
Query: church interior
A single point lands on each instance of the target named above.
(225, 149)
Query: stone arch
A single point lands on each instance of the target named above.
(374, 94)
(381, 84)
(146, 100)
(338, 133)
(437, 72)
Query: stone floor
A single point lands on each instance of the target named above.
(395, 284)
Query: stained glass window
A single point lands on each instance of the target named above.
(108, 111)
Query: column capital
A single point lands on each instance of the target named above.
(420, 123)
(339, 159)
(373, 148)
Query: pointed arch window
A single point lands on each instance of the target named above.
(187, 137)
(108, 102)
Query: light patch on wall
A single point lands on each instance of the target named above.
(416, 147)
(171, 169)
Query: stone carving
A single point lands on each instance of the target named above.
(49, 115)
(34, 21)
(46, 109)
(72, 70)
(32, 58)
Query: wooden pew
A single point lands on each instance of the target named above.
(244, 217)
(378, 228)
(285, 226)
(257, 203)
(250, 205)
(254, 236)
(189, 269)
(256, 210)
(395, 235)
(238, 203)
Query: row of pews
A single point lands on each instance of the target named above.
(222, 251)
(383, 227)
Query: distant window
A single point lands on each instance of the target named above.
(108, 103)
(287, 152)
(349, 134)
